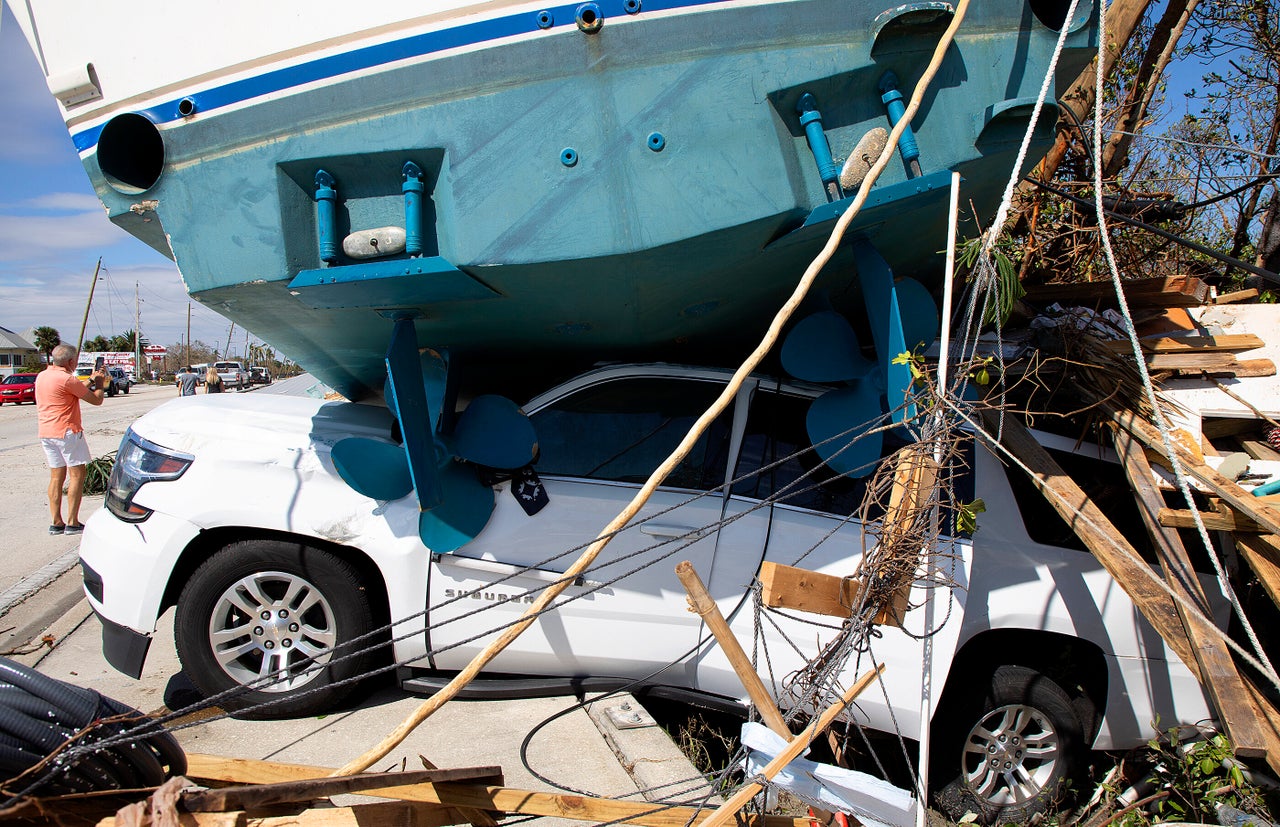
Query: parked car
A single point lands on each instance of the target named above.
(119, 381)
(1040, 645)
(259, 375)
(18, 388)
(233, 375)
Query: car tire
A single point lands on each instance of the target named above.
(126, 390)
(223, 648)
(1008, 751)
(111, 389)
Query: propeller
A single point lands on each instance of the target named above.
(823, 347)
(454, 505)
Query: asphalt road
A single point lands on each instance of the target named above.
(24, 521)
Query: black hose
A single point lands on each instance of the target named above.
(43, 718)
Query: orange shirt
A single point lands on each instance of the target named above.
(58, 395)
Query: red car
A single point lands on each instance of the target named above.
(18, 388)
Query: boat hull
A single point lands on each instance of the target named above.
(642, 188)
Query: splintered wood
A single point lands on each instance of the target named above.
(915, 475)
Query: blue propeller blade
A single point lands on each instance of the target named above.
(919, 314)
(838, 418)
(461, 515)
(377, 470)
(493, 431)
(824, 348)
(885, 314)
(409, 404)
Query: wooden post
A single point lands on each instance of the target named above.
(1218, 672)
(798, 745)
(705, 607)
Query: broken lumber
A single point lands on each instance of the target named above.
(1239, 499)
(256, 796)
(213, 768)
(1189, 344)
(1172, 291)
(1262, 553)
(1218, 672)
(1227, 520)
(787, 587)
(701, 603)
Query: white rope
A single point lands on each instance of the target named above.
(1147, 386)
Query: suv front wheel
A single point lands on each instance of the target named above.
(260, 620)
(1007, 751)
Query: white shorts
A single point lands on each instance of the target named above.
(71, 449)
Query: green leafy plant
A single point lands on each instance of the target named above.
(1008, 289)
(967, 515)
(1193, 779)
(98, 472)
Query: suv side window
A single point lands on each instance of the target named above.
(622, 430)
(777, 457)
(1102, 481)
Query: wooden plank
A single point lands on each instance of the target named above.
(380, 814)
(1219, 428)
(914, 479)
(1270, 717)
(255, 796)
(1239, 499)
(1237, 296)
(787, 587)
(1257, 449)
(1173, 291)
(1218, 672)
(1102, 538)
(1189, 344)
(1254, 367)
(500, 799)
(1213, 520)
(1195, 362)
(1262, 553)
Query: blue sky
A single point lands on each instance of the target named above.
(53, 229)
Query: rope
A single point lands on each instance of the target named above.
(1157, 414)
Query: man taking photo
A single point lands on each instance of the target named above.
(58, 395)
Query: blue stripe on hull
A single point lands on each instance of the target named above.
(371, 57)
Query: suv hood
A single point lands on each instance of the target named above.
(259, 428)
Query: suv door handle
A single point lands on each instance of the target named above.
(664, 530)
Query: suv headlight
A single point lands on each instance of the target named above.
(137, 462)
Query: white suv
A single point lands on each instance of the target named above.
(1039, 643)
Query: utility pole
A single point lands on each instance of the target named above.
(137, 335)
(226, 354)
(85, 321)
(188, 360)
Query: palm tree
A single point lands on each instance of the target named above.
(47, 339)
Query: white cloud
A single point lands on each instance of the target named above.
(68, 201)
(32, 237)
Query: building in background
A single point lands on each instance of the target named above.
(16, 354)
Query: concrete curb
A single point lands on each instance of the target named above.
(646, 751)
